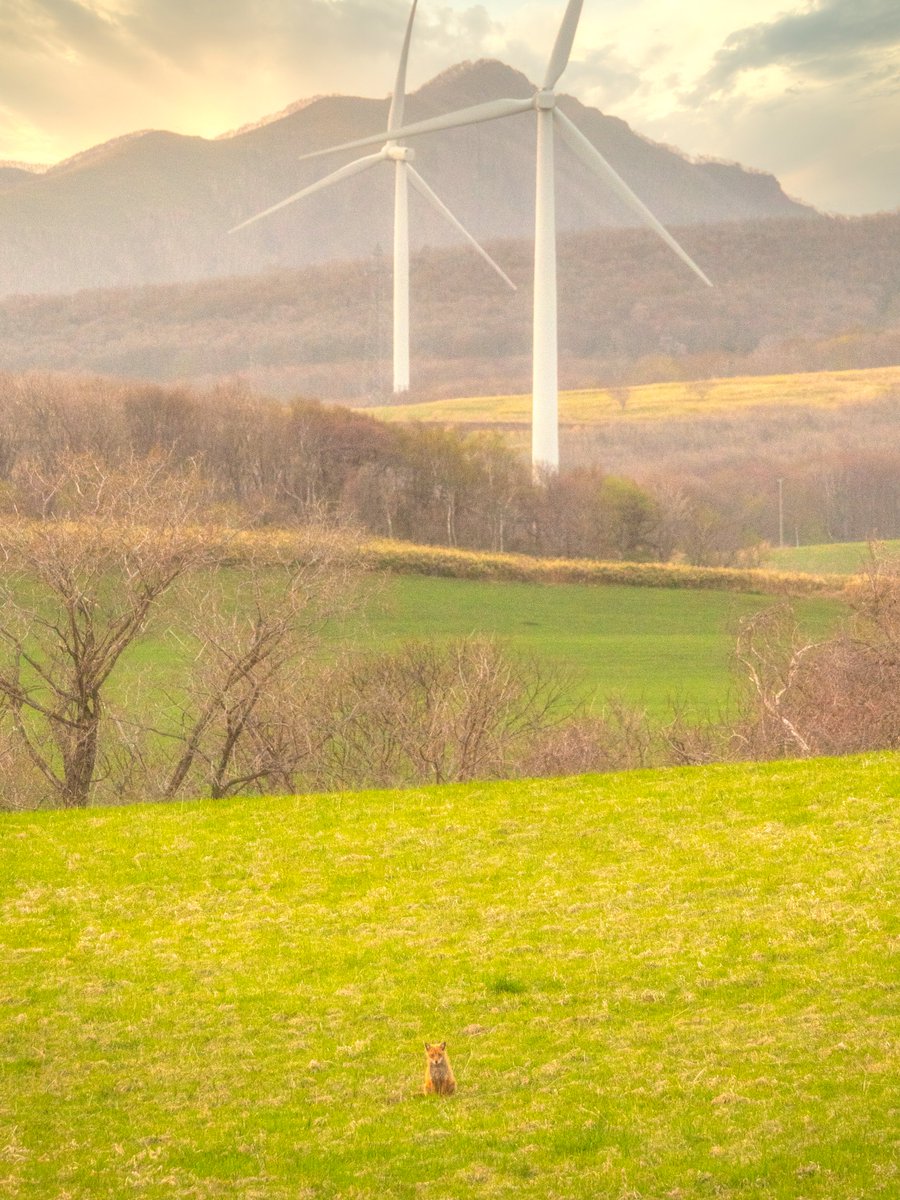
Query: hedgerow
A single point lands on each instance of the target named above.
(404, 558)
(233, 547)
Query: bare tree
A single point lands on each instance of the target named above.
(22, 783)
(77, 591)
(875, 598)
(253, 718)
(839, 695)
(772, 655)
(619, 738)
(431, 713)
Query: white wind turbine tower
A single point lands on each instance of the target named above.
(545, 421)
(404, 174)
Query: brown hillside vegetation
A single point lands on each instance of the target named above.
(829, 436)
(789, 296)
(703, 490)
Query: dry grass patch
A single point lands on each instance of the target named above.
(407, 559)
(657, 401)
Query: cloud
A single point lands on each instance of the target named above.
(603, 73)
(833, 40)
(311, 39)
(77, 72)
(314, 40)
(828, 149)
(813, 96)
(828, 131)
(64, 29)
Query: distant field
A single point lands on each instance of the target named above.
(836, 558)
(669, 640)
(826, 389)
(649, 645)
(676, 984)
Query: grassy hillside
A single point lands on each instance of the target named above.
(674, 984)
(837, 558)
(668, 638)
(651, 402)
(650, 645)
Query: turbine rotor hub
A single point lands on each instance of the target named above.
(545, 100)
(399, 153)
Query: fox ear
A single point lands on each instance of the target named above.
(428, 1045)
(443, 1046)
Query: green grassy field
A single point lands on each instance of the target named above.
(819, 389)
(652, 647)
(841, 558)
(663, 984)
(649, 645)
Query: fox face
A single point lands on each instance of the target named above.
(436, 1054)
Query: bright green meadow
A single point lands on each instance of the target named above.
(840, 558)
(647, 645)
(661, 984)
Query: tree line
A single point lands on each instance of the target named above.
(682, 490)
(270, 463)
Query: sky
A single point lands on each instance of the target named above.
(807, 90)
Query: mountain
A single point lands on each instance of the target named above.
(155, 207)
(12, 174)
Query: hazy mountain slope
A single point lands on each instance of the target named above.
(789, 295)
(11, 176)
(156, 207)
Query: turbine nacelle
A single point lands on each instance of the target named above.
(394, 153)
(544, 100)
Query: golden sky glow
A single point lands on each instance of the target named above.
(808, 90)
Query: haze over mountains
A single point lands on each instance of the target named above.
(791, 294)
(155, 207)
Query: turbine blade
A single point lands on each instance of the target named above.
(422, 187)
(562, 48)
(354, 168)
(398, 101)
(464, 116)
(589, 154)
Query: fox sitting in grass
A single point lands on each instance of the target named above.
(438, 1072)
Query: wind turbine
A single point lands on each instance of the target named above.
(550, 119)
(404, 174)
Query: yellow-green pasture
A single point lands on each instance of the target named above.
(674, 984)
(835, 558)
(661, 401)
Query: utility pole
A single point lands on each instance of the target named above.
(781, 513)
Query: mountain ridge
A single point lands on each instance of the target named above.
(155, 206)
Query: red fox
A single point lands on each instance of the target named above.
(438, 1072)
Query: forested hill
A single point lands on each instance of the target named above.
(156, 206)
(805, 294)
